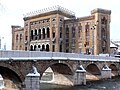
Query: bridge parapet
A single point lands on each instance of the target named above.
(31, 55)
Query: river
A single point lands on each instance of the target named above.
(110, 84)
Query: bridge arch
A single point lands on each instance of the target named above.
(93, 72)
(62, 73)
(114, 70)
(11, 76)
(93, 69)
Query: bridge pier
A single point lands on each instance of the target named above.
(32, 81)
(80, 76)
(106, 72)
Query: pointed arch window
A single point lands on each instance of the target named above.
(43, 47)
(43, 30)
(48, 32)
(47, 47)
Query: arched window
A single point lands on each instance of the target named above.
(43, 47)
(39, 33)
(53, 48)
(103, 20)
(31, 48)
(43, 33)
(60, 47)
(31, 34)
(26, 36)
(39, 47)
(48, 32)
(35, 47)
(47, 47)
(35, 32)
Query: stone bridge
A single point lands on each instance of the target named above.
(68, 68)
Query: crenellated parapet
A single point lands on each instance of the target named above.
(99, 10)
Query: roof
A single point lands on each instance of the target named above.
(50, 10)
(113, 45)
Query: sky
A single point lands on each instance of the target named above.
(11, 13)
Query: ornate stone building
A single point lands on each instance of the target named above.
(57, 29)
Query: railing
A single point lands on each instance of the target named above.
(37, 55)
(49, 9)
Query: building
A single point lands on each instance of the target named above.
(115, 48)
(57, 29)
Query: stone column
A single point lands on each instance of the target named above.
(32, 81)
(80, 76)
(106, 72)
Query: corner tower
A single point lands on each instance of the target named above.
(101, 30)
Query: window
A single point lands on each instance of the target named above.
(104, 34)
(26, 38)
(35, 32)
(87, 27)
(53, 31)
(87, 51)
(20, 37)
(48, 32)
(87, 43)
(87, 33)
(60, 48)
(39, 46)
(16, 37)
(25, 48)
(73, 32)
(67, 50)
(67, 29)
(53, 34)
(43, 30)
(43, 47)
(39, 33)
(47, 47)
(53, 48)
(31, 48)
(67, 40)
(79, 29)
(103, 20)
(53, 19)
(67, 44)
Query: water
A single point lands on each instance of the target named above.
(111, 84)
